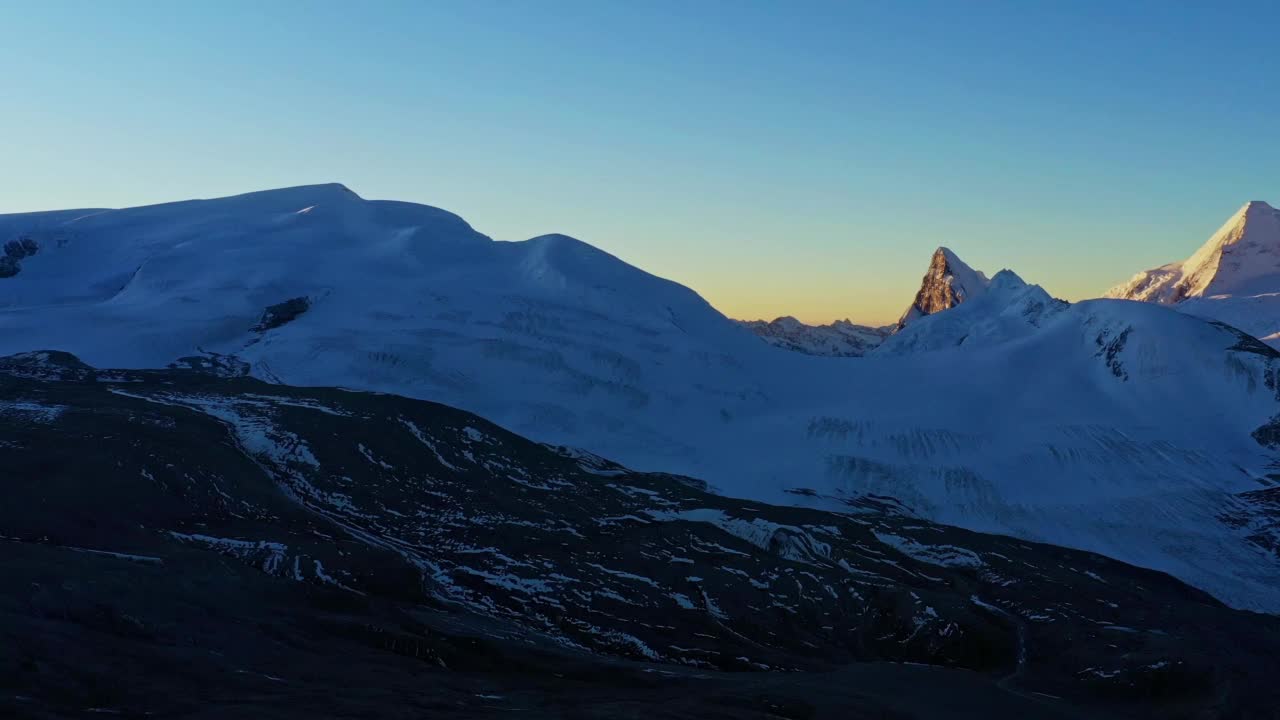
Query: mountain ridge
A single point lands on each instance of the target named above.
(840, 338)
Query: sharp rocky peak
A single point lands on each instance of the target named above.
(948, 282)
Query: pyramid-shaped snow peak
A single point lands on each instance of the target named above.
(1241, 258)
(947, 283)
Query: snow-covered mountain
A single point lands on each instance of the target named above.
(1233, 278)
(1007, 309)
(1122, 428)
(838, 339)
(947, 283)
(548, 333)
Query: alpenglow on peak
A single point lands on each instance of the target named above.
(947, 283)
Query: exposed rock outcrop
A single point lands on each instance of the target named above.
(947, 283)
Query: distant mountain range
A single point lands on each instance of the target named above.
(1233, 278)
(839, 339)
(947, 283)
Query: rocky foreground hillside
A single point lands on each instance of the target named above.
(246, 549)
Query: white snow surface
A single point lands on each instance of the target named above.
(1233, 278)
(1118, 427)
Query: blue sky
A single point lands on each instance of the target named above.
(780, 158)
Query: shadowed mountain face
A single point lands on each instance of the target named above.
(237, 546)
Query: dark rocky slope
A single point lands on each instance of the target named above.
(192, 545)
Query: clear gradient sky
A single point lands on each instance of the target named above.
(780, 158)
